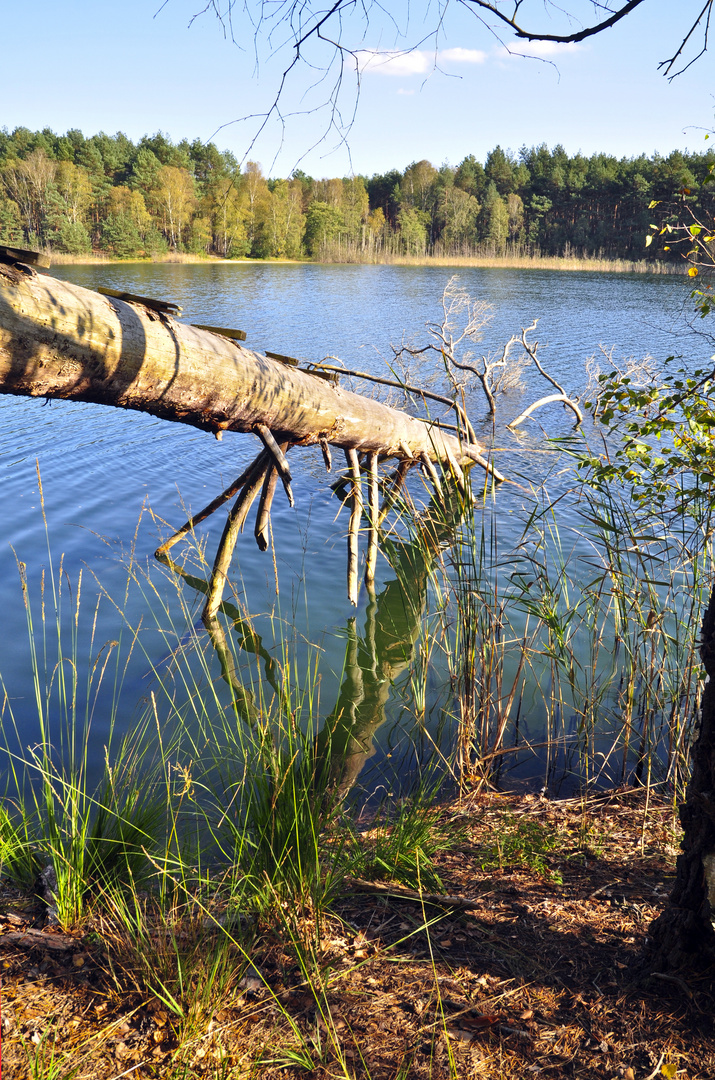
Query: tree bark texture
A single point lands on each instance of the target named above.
(58, 340)
(683, 936)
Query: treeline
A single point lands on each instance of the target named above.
(106, 193)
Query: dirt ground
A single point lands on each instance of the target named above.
(544, 975)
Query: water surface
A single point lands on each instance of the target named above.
(116, 482)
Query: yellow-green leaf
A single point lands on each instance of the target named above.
(669, 1071)
(693, 271)
(648, 240)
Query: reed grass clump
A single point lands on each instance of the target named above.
(574, 647)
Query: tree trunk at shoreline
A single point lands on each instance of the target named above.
(58, 340)
(683, 937)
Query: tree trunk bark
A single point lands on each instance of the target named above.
(58, 340)
(683, 937)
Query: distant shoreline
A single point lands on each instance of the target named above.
(505, 262)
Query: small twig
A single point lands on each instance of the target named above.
(656, 1070)
(485, 376)
(603, 888)
(487, 465)
(406, 388)
(532, 350)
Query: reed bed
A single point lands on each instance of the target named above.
(391, 252)
(538, 262)
(520, 260)
(61, 258)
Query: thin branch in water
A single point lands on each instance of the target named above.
(373, 511)
(263, 517)
(234, 525)
(567, 401)
(354, 526)
(279, 458)
(214, 505)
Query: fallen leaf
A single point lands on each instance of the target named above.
(479, 1023)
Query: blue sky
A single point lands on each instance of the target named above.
(139, 67)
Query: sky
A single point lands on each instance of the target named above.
(140, 67)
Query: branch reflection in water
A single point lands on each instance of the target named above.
(373, 661)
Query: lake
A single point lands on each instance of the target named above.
(115, 483)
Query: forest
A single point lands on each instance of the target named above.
(106, 194)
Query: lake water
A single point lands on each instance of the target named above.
(115, 482)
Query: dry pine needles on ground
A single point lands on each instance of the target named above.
(544, 974)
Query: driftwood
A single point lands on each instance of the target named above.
(400, 892)
(58, 340)
(39, 939)
(549, 399)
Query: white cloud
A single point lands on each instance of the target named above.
(546, 49)
(462, 56)
(416, 61)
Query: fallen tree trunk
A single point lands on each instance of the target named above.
(59, 340)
